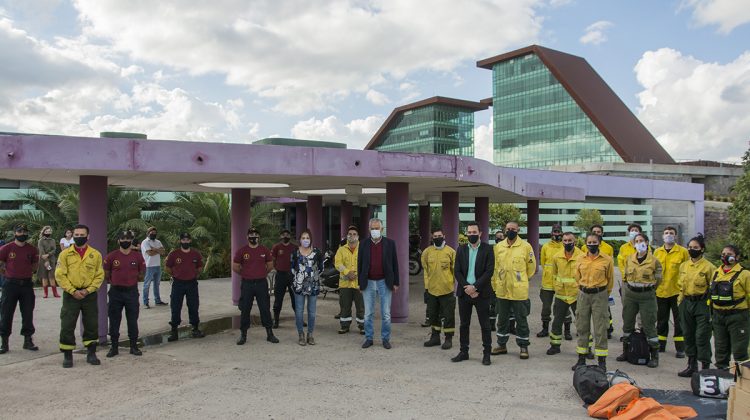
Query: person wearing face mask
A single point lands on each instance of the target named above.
(47, 261)
(123, 268)
(499, 237)
(628, 248)
(253, 262)
(281, 253)
(515, 263)
(378, 275)
(695, 316)
(307, 264)
(605, 249)
(184, 265)
(18, 260)
(152, 251)
(438, 262)
(562, 270)
(595, 278)
(670, 256)
(80, 274)
(345, 262)
(643, 273)
(729, 292)
(547, 291)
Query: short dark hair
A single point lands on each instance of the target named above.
(734, 248)
(597, 226)
(643, 235)
(437, 230)
(285, 231)
(593, 235)
(635, 225)
(252, 229)
(81, 226)
(354, 228)
(306, 231)
(672, 228)
(569, 233)
(473, 223)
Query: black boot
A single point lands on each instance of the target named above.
(134, 350)
(173, 335)
(197, 333)
(566, 331)
(448, 343)
(654, 362)
(114, 349)
(553, 349)
(28, 344)
(680, 348)
(486, 359)
(545, 330)
(581, 361)
(243, 338)
(603, 362)
(276, 319)
(4, 345)
(434, 339)
(662, 346)
(692, 366)
(624, 356)
(524, 353)
(91, 355)
(270, 337)
(67, 358)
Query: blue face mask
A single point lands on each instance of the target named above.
(633, 234)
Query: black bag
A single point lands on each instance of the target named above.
(712, 383)
(590, 382)
(639, 352)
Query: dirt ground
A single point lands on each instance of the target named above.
(214, 378)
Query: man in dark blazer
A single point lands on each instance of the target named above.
(377, 274)
(475, 263)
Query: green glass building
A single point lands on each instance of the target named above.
(436, 125)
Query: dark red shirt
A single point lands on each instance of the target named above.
(184, 265)
(81, 251)
(253, 261)
(124, 270)
(376, 261)
(282, 256)
(18, 260)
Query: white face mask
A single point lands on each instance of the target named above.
(375, 233)
(632, 234)
(668, 238)
(641, 247)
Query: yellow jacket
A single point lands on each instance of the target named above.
(740, 290)
(604, 248)
(627, 249)
(549, 250)
(74, 273)
(514, 264)
(563, 271)
(346, 262)
(648, 272)
(670, 265)
(438, 264)
(596, 272)
(695, 278)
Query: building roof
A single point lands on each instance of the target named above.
(470, 105)
(627, 135)
(281, 141)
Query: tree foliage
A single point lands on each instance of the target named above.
(587, 218)
(502, 213)
(739, 211)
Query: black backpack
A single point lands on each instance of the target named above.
(712, 383)
(590, 382)
(639, 352)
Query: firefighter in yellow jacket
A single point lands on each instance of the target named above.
(730, 293)
(670, 256)
(628, 248)
(547, 291)
(438, 262)
(563, 270)
(605, 249)
(346, 263)
(515, 263)
(80, 274)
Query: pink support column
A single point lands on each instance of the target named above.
(365, 214)
(240, 214)
(92, 212)
(450, 218)
(425, 219)
(315, 219)
(301, 218)
(346, 217)
(482, 213)
(532, 226)
(397, 218)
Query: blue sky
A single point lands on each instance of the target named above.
(237, 71)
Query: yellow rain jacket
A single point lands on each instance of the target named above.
(438, 264)
(647, 272)
(74, 272)
(514, 264)
(346, 262)
(695, 277)
(549, 250)
(564, 274)
(670, 265)
(740, 290)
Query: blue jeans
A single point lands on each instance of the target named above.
(153, 275)
(379, 287)
(299, 308)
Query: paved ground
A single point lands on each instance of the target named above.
(214, 378)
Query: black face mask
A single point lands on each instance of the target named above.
(728, 260)
(569, 247)
(438, 242)
(22, 238)
(473, 239)
(185, 245)
(511, 234)
(253, 240)
(593, 249)
(46, 235)
(152, 236)
(695, 253)
(498, 239)
(285, 239)
(557, 238)
(80, 241)
(125, 244)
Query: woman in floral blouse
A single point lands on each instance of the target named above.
(307, 264)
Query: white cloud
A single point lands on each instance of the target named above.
(483, 145)
(356, 133)
(377, 98)
(307, 54)
(726, 14)
(696, 109)
(595, 33)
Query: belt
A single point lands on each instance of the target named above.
(592, 290)
(729, 311)
(175, 278)
(123, 288)
(695, 298)
(20, 282)
(253, 280)
(640, 289)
